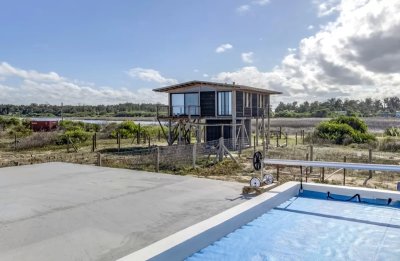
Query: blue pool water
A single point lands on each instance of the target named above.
(312, 228)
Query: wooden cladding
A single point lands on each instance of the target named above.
(239, 104)
(207, 103)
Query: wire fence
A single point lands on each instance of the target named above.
(172, 157)
(373, 179)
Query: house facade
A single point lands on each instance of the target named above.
(214, 110)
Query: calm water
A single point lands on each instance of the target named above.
(306, 228)
(100, 122)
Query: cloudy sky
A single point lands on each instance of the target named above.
(94, 51)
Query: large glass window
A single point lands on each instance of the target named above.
(191, 103)
(178, 103)
(185, 104)
(224, 103)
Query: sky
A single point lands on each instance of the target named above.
(107, 52)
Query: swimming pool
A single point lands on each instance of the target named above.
(310, 227)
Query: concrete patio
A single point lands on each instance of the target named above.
(61, 211)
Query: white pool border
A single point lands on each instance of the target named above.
(184, 243)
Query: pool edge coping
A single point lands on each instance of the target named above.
(184, 243)
(194, 238)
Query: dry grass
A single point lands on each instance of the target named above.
(291, 125)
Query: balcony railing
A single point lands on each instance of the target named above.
(178, 111)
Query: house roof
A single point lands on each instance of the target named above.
(215, 84)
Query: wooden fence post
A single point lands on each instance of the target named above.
(344, 172)
(323, 174)
(15, 141)
(307, 157)
(93, 141)
(194, 155)
(280, 132)
(296, 138)
(277, 173)
(286, 138)
(254, 145)
(277, 140)
(119, 141)
(99, 159)
(311, 156)
(138, 135)
(221, 149)
(370, 172)
(158, 159)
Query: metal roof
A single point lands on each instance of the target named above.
(337, 165)
(215, 84)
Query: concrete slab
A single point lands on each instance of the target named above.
(61, 211)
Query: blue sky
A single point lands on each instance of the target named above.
(104, 44)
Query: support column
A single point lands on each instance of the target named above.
(233, 130)
(169, 132)
(268, 120)
(198, 130)
(242, 134)
(263, 133)
(257, 131)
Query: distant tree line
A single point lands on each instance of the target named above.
(333, 107)
(119, 110)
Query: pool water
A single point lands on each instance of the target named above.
(311, 227)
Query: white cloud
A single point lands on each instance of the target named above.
(248, 57)
(291, 50)
(205, 75)
(261, 2)
(357, 55)
(243, 9)
(150, 75)
(8, 70)
(223, 48)
(327, 7)
(24, 87)
(310, 27)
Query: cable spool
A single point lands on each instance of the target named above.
(255, 182)
(257, 158)
(268, 179)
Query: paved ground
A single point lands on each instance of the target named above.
(59, 211)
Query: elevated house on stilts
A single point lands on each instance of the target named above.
(210, 110)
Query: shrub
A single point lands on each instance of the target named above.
(92, 127)
(354, 122)
(127, 129)
(20, 131)
(9, 122)
(76, 136)
(392, 131)
(334, 131)
(344, 130)
(71, 125)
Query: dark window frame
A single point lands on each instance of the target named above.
(185, 110)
